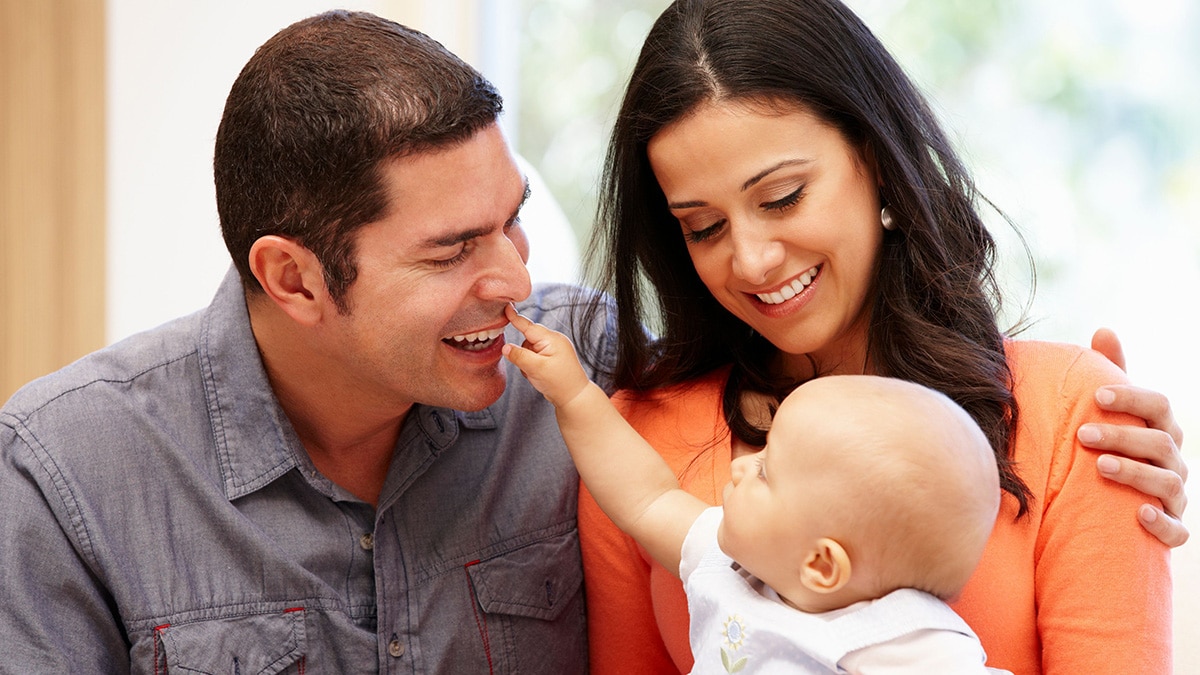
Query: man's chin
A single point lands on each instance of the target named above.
(481, 393)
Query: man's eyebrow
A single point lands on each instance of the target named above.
(459, 237)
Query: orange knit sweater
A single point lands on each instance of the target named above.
(1076, 586)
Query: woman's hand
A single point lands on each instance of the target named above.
(1147, 459)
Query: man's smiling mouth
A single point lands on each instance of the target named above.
(475, 342)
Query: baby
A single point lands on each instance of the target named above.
(838, 543)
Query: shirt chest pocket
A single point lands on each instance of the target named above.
(262, 644)
(535, 581)
(532, 604)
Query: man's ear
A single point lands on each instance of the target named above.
(291, 276)
(826, 567)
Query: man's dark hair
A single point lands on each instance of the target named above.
(312, 118)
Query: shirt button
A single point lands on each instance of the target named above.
(396, 648)
(367, 542)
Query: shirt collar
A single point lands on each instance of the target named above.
(255, 441)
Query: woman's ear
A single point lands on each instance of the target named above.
(872, 164)
(291, 277)
(826, 567)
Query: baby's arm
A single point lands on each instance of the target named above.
(633, 485)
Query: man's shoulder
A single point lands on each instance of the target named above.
(558, 300)
(114, 366)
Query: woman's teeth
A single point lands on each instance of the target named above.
(791, 290)
(476, 341)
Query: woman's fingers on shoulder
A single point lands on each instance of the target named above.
(1150, 405)
(1169, 530)
(1165, 484)
(1164, 523)
(1105, 341)
(1155, 446)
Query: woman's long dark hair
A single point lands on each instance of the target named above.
(934, 315)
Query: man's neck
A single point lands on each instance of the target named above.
(349, 438)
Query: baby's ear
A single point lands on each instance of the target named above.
(826, 567)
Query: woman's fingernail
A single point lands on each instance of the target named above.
(1108, 464)
(1105, 396)
(1090, 433)
(1148, 513)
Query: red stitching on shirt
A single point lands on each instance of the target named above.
(300, 665)
(480, 619)
(157, 638)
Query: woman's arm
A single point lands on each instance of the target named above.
(1103, 584)
(1148, 458)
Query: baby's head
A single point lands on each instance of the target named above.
(866, 485)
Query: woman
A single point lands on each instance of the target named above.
(798, 212)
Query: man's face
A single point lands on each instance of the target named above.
(426, 310)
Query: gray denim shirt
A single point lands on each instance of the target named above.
(157, 511)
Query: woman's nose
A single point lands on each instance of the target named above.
(755, 253)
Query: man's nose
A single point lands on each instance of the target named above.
(507, 278)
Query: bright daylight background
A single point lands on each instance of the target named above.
(1078, 117)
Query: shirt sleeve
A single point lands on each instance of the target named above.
(1103, 584)
(700, 539)
(623, 634)
(54, 614)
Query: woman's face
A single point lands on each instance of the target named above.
(781, 218)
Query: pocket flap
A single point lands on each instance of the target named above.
(535, 581)
(260, 643)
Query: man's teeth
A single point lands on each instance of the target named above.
(478, 340)
(791, 290)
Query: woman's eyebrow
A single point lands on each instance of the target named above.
(771, 169)
(751, 182)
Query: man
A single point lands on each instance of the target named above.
(329, 469)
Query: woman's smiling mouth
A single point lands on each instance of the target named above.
(791, 290)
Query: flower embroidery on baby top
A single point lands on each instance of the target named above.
(733, 637)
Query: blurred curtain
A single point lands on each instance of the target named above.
(52, 199)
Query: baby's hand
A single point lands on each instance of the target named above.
(547, 359)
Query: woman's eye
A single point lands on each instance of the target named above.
(784, 202)
(762, 474)
(697, 236)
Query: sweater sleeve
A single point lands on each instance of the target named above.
(1102, 583)
(623, 634)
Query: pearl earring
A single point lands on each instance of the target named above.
(887, 218)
